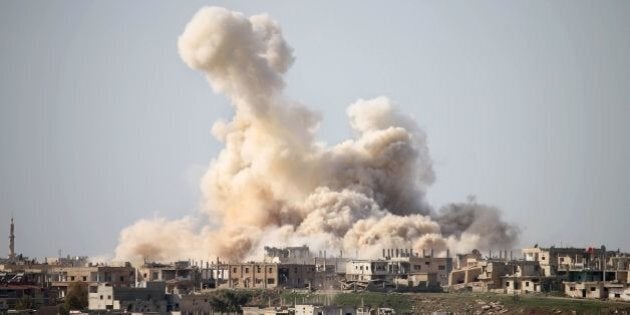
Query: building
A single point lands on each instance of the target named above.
(368, 270)
(197, 303)
(560, 261)
(282, 310)
(266, 275)
(116, 275)
(330, 269)
(180, 277)
(399, 268)
(150, 298)
(619, 292)
(309, 309)
(16, 285)
(484, 275)
(588, 290)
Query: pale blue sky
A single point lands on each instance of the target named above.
(526, 105)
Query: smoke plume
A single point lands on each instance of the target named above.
(274, 184)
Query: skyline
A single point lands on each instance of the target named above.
(75, 143)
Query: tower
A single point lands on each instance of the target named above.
(12, 242)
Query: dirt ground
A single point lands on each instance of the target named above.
(470, 303)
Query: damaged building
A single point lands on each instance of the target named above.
(398, 268)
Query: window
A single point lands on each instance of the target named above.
(527, 283)
(617, 295)
(246, 270)
(271, 281)
(72, 278)
(234, 270)
(561, 259)
(542, 258)
(592, 289)
(101, 297)
(417, 267)
(258, 269)
(571, 288)
(361, 268)
(427, 263)
(109, 297)
(441, 267)
(507, 284)
(270, 269)
(84, 278)
(122, 278)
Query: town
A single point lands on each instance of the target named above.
(183, 287)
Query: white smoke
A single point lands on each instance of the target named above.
(274, 184)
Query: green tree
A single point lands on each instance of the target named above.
(226, 301)
(25, 303)
(77, 296)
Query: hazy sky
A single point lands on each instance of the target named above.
(526, 105)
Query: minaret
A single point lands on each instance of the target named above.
(12, 242)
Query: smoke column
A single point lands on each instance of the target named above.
(274, 184)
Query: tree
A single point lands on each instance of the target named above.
(229, 301)
(25, 303)
(77, 296)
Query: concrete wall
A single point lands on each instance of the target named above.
(269, 276)
(589, 290)
(102, 299)
(619, 294)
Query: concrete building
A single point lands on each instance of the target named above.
(267, 275)
(619, 292)
(198, 304)
(559, 261)
(440, 266)
(150, 298)
(527, 278)
(329, 268)
(483, 275)
(68, 261)
(122, 275)
(16, 285)
(180, 277)
(621, 266)
(368, 270)
(588, 290)
(278, 310)
(467, 260)
(399, 268)
(309, 309)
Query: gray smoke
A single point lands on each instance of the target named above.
(275, 184)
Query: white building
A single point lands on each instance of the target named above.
(151, 298)
(618, 292)
(308, 309)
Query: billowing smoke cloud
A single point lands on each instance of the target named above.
(274, 184)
